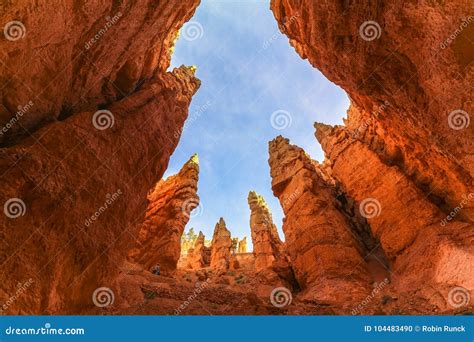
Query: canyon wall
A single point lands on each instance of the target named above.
(91, 138)
(408, 70)
(324, 252)
(168, 212)
(427, 258)
(405, 153)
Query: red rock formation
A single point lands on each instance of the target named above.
(168, 212)
(86, 55)
(81, 183)
(406, 151)
(220, 247)
(408, 70)
(324, 252)
(198, 256)
(426, 256)
(267, 245)
(246, 261)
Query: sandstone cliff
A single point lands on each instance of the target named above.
(92, 142)
(408, 70)
(324, 252)
(220, 247)
(426, 257)
(168, 212)
(405, 153)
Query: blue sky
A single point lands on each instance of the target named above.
(248, 72)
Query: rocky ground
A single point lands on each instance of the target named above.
(204, 292)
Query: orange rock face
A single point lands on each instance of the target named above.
(86, 55)
(408, 70)
(168, 212)
(74, 191)
(405, 222)
(324, 252)
(220, 247)
(267, 246)
(199, 255)
(405, 153)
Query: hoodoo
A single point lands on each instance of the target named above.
(220, 247)
(169, 206)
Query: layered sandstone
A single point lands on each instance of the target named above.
(199, 255)
(405, 153)
(267, 246)
(426, 256)
(325, 254)
(169, 206)
(221, 247)
(408, 70)
(74, 190)
(84, 56)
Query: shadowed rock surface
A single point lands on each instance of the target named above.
(90, 118)
(324, 252)
(410, 84)
(81, 182)
(168, 212)
(405, 152)
(425, 256)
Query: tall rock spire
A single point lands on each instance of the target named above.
(324, 253)
(168, 212)
(267, 245)
(198, 256)
(220, 247)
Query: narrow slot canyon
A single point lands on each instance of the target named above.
(131, 185)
